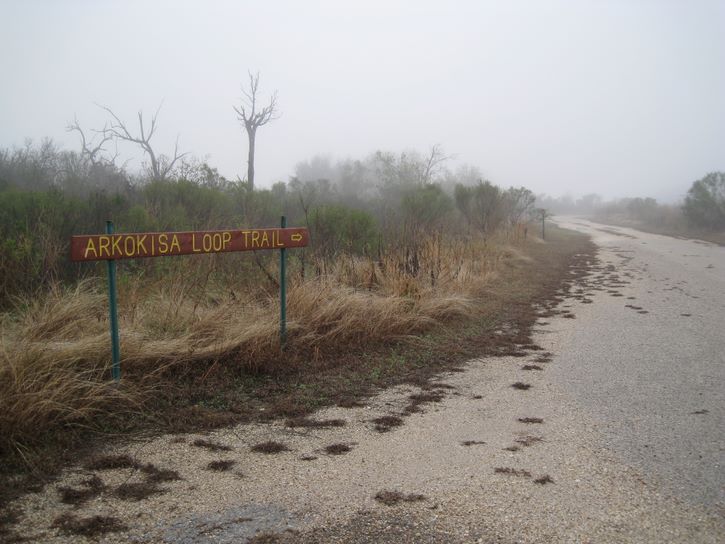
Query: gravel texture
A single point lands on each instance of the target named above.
(596, 411)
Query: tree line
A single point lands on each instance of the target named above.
(359, 207)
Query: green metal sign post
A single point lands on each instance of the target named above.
(113, 310)
(283, 290)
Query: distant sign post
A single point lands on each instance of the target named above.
(112, 247)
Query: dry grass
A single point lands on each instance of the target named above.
(89, 527)
(512, 471)
(337, 449)
(270, 447)
(211, 446)
(391, 498)
(211, 349)
(221, 465)
(55, 352)
(315, 423)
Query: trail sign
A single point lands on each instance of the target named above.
(99, 247)
(111, 246)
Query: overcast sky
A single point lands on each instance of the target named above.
(623, 98)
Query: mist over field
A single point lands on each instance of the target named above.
(467, 254)
(622, 99)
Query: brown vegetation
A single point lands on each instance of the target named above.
(270, 447)
(214, 357)
(391, 498)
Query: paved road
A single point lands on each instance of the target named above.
(655, 380)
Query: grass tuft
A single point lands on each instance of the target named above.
(337, 449)
(221, 465)
(90, 488)
(531, 420)
(391, 498)
(137, 491)
(270, 447)
(512, 471)
(315, 423)
(89, 527)
(385, 423)
(111, 462)
(211, 446)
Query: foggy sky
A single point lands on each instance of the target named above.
(623, 98)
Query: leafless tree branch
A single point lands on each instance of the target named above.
(161, 166)
(90, 149)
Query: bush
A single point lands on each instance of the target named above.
(337, 228)
(705, 202)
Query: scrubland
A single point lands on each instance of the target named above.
(402, 280)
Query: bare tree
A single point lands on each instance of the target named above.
(161, 165)
(91, 149)
(253, 116)
(433, 162)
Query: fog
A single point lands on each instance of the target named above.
(619, 98)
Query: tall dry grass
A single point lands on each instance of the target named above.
(55, 352)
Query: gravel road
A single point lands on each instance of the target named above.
(656, 380)
(619, 437)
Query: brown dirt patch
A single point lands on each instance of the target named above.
(337, 449)
(270, 447)
(221, 465)
(315, 423)
(391, 498)
(211, 446)
(88, 527)
(512, 471)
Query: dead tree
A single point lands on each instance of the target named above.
(253, 117)
(91, 150)
(435, 158)
(161, 165)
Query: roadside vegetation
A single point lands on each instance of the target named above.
(401, 247)
(701, 215)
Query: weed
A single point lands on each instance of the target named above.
(315, 423)
(137, 491)
(512, 448)
(92, 487)
(211, 446)
(384, 423)
(90, 527)
(337, 449)
(422, 398)
(221, 466)
(264, 538)
(270, 447)
(512, 471)
(521, 385)
(528, 440)
(531, 420)
(700, 412)
(111, 462)
(390, 498)
(471, 442)
(543, 480)
(531, 367)
(157, 475)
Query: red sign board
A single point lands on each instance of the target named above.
(135, 245)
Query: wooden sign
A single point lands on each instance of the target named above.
(136, 245)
